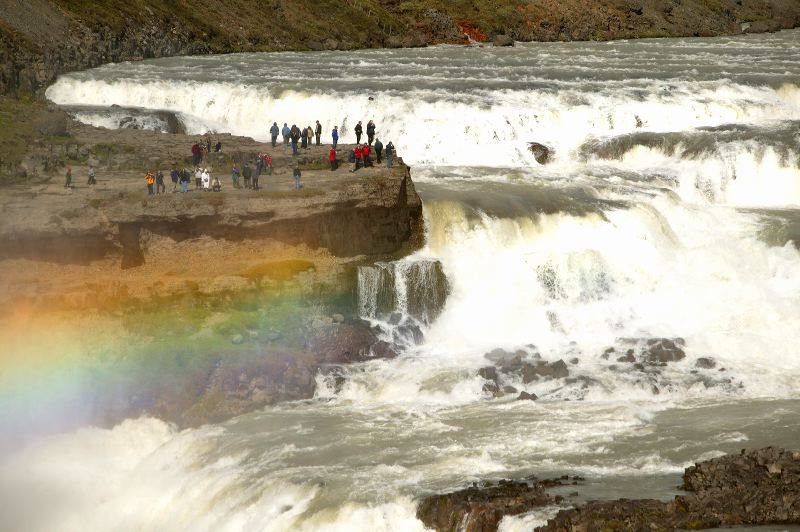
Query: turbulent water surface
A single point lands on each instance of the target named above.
(671, 209)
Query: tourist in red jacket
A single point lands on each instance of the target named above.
(365, 155)
(332, 159)
(359, 154)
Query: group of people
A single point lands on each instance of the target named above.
(295, 135)
(360, 155)
(263, 164)
(201, 149)
(92, 181)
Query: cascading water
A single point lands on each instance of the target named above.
(414, 289)
(623, 283)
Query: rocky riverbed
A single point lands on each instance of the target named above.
(756, 487)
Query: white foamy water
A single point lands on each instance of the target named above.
(670, 211)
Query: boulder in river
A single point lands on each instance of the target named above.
(481, 508)
(540, 152)
(502, 40)
(760, 487)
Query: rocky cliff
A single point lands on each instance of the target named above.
(39, 39)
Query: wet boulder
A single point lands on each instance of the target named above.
(489, 373)
(544, 370)
(525, 396)
(506, 360)
(408, 334)
(502, 40)
(541, 153)
(344, 343)
(663, 350)
(705, 363)
(481, 508)
(759, 487)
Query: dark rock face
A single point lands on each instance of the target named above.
(520, 364)
(705, 363)
(544, 370)
(480, 509)
(663, 350)
(347, 343)
(760, 487)
(503, 40)
(525, 396)
(541, 153)
(426, 290)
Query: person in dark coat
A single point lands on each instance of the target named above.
(318, 132)
(358, 131)
(378, 150)
(273, 131)
(295, 136)
(335, 136)
(247, 173)
(304, 138)
(370, 131)
(389, 154)
(160, 188)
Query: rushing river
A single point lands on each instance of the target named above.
(671, 209)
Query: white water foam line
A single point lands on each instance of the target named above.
(485, 128)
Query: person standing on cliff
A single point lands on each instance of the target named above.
(235, 175)
(358, 131)
(335, 136)
(296, 176)
(365, 152)
(389, 154)
(68, 183)
(198, 178)
(378, 149)
(257, 174)
(286, 132)
(295, 134)
(273, 131)
(174, 175)
(332, 158)
(370, 132)
(359, 153)
(150, 180)
(92, 181)
(268, 163)
(318, 132)
(160, 187)
(185, 177)
(196, 154)
(247, 172)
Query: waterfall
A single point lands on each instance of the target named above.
(413, 288)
